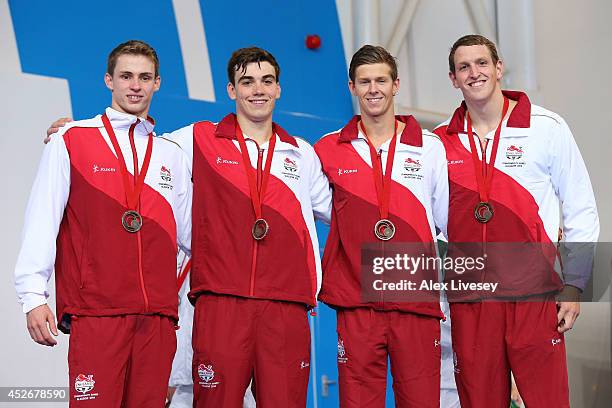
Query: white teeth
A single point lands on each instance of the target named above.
(374, 99)
(477, 84)
(134, 98)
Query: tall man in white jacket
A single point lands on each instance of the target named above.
(108, 205)
(510, 165)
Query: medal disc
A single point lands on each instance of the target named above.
(384, 230)
(260, 229)
(483, 212)
(131, 221)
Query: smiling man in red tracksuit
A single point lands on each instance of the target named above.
(389, 184)
(256, 267)
(106, 210)
(531, 165)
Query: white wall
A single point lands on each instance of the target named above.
(574, 61)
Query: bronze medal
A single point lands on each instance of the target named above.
(483, 212)
(131, 221)
(384, 230)
(260, 229)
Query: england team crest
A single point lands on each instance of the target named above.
(84, 383)
(514, 152)
(341, 352)
(206, 372)
(412, 165)
(207, 376)
(290, 165)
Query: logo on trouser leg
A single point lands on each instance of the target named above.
(341, 352)
(207, 375)
(304, 364)
(555, 342)
(83, 384)
(456, 363)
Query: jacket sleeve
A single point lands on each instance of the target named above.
(572, 185)
(320, 192)
(43, 217)
(184, 138)
(183, 206)
(439, 189)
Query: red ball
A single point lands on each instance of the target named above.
(313, 42)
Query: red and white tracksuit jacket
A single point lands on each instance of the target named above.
(538, 166)
(418, 205)
(73, 222)
(285, 265)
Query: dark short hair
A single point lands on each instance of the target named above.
(245, 56)
(468, 40)
(132, 47)
(372, 54)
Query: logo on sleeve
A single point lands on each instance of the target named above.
(412, 169)
(514, 154)
(166, 177)
(83, 384)
(291, 169)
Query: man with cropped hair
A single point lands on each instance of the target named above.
(512, 167)
(389, 185)
(109, 203)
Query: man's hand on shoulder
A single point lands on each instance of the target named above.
(55, 127)
(39, 321)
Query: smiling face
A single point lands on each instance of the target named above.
(374, 88)
(476, 75)
(255, 92)
(133, 83)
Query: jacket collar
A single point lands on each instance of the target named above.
(412, 135)
(226, 128)
(519, 118)
(123, 121)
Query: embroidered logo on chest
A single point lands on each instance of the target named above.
(290, 169)
(412, 169)
(514, 156)
(166, 176)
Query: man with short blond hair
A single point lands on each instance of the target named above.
(108, 205)
(389, 186)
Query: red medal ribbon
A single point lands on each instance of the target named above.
(485, 180)
(382, 183)
(183, 275)
(256, 195)
(132, 195)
